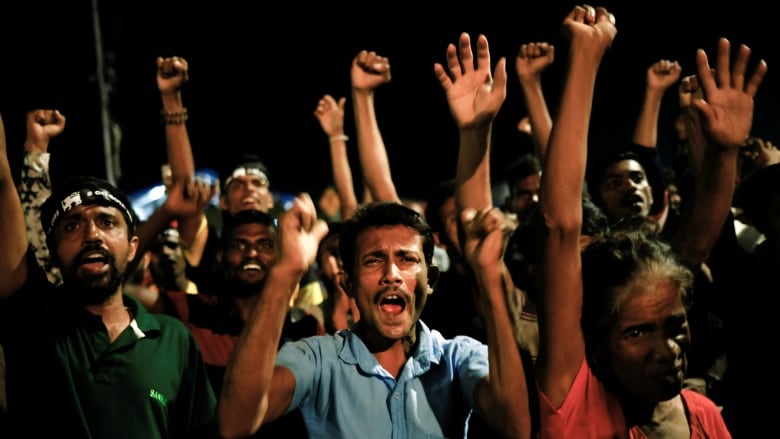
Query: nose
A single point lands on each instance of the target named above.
(391, 275)
(251, 251)
(669, 349)
(91, 233)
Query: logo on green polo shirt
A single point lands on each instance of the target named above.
(159, 397)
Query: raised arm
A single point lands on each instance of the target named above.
(474, 96)
(368, 72)
(727, 117)
(13, 246)
(172, 74)
(531, 61)
(43, 125)
(502, 397)
(660, 76)
(590, 32)
(256, 392)
(330, 114)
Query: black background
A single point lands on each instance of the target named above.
(257, 70)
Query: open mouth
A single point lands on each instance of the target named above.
(95, 262)
(392, 304)
(251, 267)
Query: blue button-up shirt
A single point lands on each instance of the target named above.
(343, 392)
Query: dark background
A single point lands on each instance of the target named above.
(258, 69)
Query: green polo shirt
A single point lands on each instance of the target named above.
(66, 379)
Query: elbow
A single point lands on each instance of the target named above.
(237, 423)
(229, 429)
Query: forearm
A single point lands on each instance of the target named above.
(342, 177)
(374, 164)
(245, 392)
(472, 175)
(177, 139)
(706, 214)
(538, 115)
(13, 245)
(566, 157)
(646, 129)
(505, 404)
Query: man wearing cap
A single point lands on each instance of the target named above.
(83, 359)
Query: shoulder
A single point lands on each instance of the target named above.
(703, 412)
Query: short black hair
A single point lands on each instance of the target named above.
(377, 214)
(522, 167)
(250, 216)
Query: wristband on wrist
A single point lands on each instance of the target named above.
(342, 137)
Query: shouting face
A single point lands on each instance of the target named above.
(391, 281)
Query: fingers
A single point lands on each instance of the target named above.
(499, 75)
(453, 64)
(483, 53)
(466, 56)
(755, 80)
(723, 63)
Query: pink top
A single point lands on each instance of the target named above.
(590, 411)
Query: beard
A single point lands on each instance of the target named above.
(92, 290)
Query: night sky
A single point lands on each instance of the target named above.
(257, 72)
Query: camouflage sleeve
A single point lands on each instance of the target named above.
(34, 189)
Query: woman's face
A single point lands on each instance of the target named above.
(647, 345)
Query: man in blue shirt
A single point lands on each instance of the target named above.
(388, 375)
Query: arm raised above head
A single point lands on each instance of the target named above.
(590, 32)
(13, 246)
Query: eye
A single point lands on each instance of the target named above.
(265, 245)
(238, 246)
(637, 177)
(69, 226)
(410, 259)
(371, 261)
(613, 182)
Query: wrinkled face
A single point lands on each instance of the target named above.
(390, 284)
(249, 253)
(625, 190)
(93, 250)
(648, 343)
(524, 195)
(247, 192)
(166, 261)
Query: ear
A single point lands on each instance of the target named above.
(345, 282)
(433, 277)
(133, 248)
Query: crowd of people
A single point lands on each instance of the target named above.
(602, 295)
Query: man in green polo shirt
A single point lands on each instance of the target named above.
(83, 359)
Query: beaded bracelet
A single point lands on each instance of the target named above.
(174, 118)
